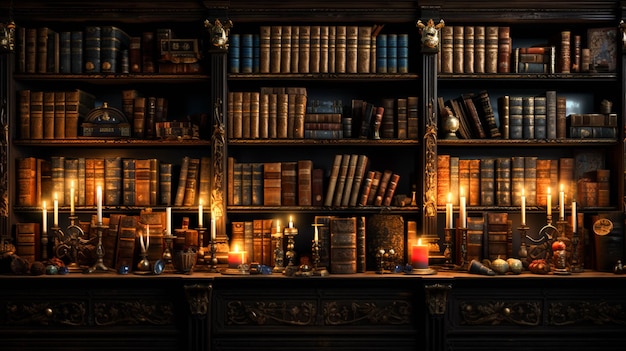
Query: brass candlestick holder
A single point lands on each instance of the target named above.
(213, 257)
(290, 233)
(315, 252)
(69, 245)
(279, 255)
(201, 261)
(463, 264)
(523, 250)
(167, 253)
(143, 267)
(99, 266)
(449, 246)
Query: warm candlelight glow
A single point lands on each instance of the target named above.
(574, 219)
(72, 198)
(55, 217)
(290, 222)
(44, 215)
(549, 203)
(449, 212)
(99, 203)
(562, 204)
(278, 227)
(523, 207)
(200, 222)
(316, 236)
(236, 257)
(213, 230)
(419, 255)
(462, 209)
(168, 220)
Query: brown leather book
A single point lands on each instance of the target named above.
(487, 181)
(191, 185)
(275, 48)
(341, 49)
(305, 171)
(139, 117)
(503, 181)
(468, 49)
(295, 49)
(64, 128)
(447, 49)
(479, 49)
(504, 49)
(27, 181)
(324, 49)
(305, 49)
(315, 49)
(359, 174)
(125, 251)
(364, 46)
(391, 189)
(382, 187)
(24, 114)
(285, 49)
(443, 179)
(282, 116)
(36, 115)
(264, 49)
(458, 40)
(48, 117)
(142, 182)
(272, 184)
(343, 245)
(289, 183)
(491, 49)
(148, 52)
(27, 241)
(352, 39)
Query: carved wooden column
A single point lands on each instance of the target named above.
(6, 110)
(436, 301)
(199, 300)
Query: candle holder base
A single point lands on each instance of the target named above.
(421, 271)
(320, 272)
(243, 269)
(99, 266)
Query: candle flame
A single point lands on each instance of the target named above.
(236, 248)
(548, 190)
(449, 197)
(419, 242)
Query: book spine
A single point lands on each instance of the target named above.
(128, 181)
(345, 198)
(65, 52)
(36, 114)
(48, 116)
(91, 50)
(165, 184)
(364, 43)
(447, 49)
(148, 52)
(63, 128)
(458, 39)
(561, 117)
(403, 53)
(26, 181)
(352, 40)
(491, 49)
(315, 49)
(382, 187)
(565, 61)
(381, 53)
(246, 184)
(245, 54)
(275, 48)
(343, 245)
(42, 49)
(528, 117)
(289, 183)
(332, 181)
(359, 175)
(304, 54)
(24, 113)
(340, 49)
(468, 49)
(503, 181)
(487, 182)
(504, 49)
(272, 184)
(361, 242)
(295, 49)
(341, 179)
(113, 181)
(264, 49)
(541, 117)
(191, 185)
(257, 184)
(391, 189)
(305, 169)
(317, 187)
(392, 53)
(324, 49)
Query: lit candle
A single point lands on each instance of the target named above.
(574, 219)
(562, 204)
(549, 203)
(72, 198)
(278, 227)
(290, 222)
(213, 230)
(99, 203)
(236, 257)
(147, 236)
(168, 220)
(419, 255)
(316, 237)
(462, 210)
(523, 207)
(44, 218)
(200, 222)
(449, 212)
(55, 217)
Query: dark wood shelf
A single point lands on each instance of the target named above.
(333, 77)
(113, 143)
(527, 143)
(569, 77)
(322, 142)
(113, 78)
(322, 210)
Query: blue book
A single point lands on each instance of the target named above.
(403, 53)
(234, 53)
(256, 53)
(381, 53)
(392, 53)
(76, 52)
(65, 53)
(246, 53)
(112, 41)
(92, 50)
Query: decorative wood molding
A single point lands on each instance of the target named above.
(528, 313)
(587, 312)
(134, 312)
(68, 313)
(198, 298)
(437, 298)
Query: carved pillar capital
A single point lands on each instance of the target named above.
(430, 35)
(198, 297)
(437, 298)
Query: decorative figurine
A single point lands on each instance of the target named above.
(430, 35)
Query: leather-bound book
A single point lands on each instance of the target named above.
(561, 117)
(30, 38)
(361, 245)
(551, 114)
(454, 179)
(148, 53)
(27, 181)
(565, 59)
(191, 186)
(517, 180)
(458, 40)
(272, 184)
(474, 118)
(364, 42)
(499, 235)
(392, 53)
(474, 182)
(305, 49)
(483, 105)
(375, 184)
(317, 187)
(384, 231)
(366, 188)
(382, 187)
(109, 239)
(343, 245)
(491, 49)
(412, 117)
(257, 184)
(359, 174)
(246, 55)
(324, 48)
(272, 123)
(464, 177)
(401, 118)
(142, 182)
(403, 52)
(76, 52)
(503, 181)
(347, 188)
(468, 49)
(443, 178)
(134, 54)
(315, 49)
(475, 234)
(128, 181)
(341, 179)
(44, 181)
(27, 241)
(36, 115)
(332, 48)
(264, 48)
(112, 181)
(48, 117)
(295, 49)
(125, 252)
(91, 49)
(341, 49)
(298, 116)
(504, 49)
(43, 35)
(24, 113)
(282, 116)
(112, 41)
(255, 118)
(305, 170)
(516, 117)
(63, 130)
(275, 48)
(352, 39)
(165, 184)
(139, 117)
(391, 189)
(479, 49)
(388, 122)
(543, 181)
(528, 117)
(530, 180)
(332, 180)
(447, 49)
(541, 118)
(289, 183)
(487, 182)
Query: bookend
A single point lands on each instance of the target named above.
(99, 265)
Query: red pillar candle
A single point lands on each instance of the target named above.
(236, 258)
(419, 255)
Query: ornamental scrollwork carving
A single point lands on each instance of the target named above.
(271, 313)
(135, 312)
(437, 298)
(526, 313)
(430, 165)
(198, 299)
(46, 313)
(367, 313)
(586, 312)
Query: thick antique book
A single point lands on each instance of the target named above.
(474, 118)
(255, 118)
(403, 52)
(447, 49)
(517, 179)
(317, 187)
(388, 118)
(245, 53)
(156, 223)
(78, 103)
(561, 117)
(482, 101)
(264, 48)
(499, 235)
(142, 182)
(412, 117)
(65, 52)
(504, 49)
(256, 184)
(295, 49)
(566, 177)
(304, 53)
(391, 189)
(487, 182)
(90, 182)
(341, 49)
(128, 181)
(275, 48)
(474, 182)
(289, 183)
(30, 51)
(464, 177)
(324, 49)
(299, 115)
(392, 53)
(36, 114)
(139, 117)
(364, 42)
(352, 40)
(113, 41)
(366, 188)
(61, 126)
(150, 117)
(272, 184)
(602, 44)
(148, 52)
(443, 178)
(530, 180)
(468, 49)
(475, 234)
(125, 251)
(332, 180)
(182, 181)
(401, 118)
(109, 239)
(343, 245)
(528, 117)
(491, 49)
(191, 185)
(234, 54)
(91, 49)
(165, 184)
(27, 181)
(347, 188)
(272, 122)
(27, 241)
(48, 117)
(551, 114)
(516, 117)
(315, 49)
(245, 114)
(361, 245)
(381, 53)
(76, 52)
(305, 170)
(237, 183)
(543, 181)
(332, 47)
(503, 181)
(565, 59)
(458, 49)
(282, 116)
(112, 181)
(44, 35)
(24, 113)
(541, 117)
(134, 54)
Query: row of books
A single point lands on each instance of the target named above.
(393, 118)
(319, 49)
(537, 117)
(489, 49)
(500, 181)
(104, 49)
(52, 114)
(299, 183)
(125, 181)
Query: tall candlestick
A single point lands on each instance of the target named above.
(523, 207)
(449, 212)
(200, 222)
(168, 220)
(213, 230)
(44, 219)
(72, 198)
(99, 202)
(562, 204)
(574, 219)
(55, 217)
(549, 203)
(290, 222)
(462, 210)
(316, 236)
